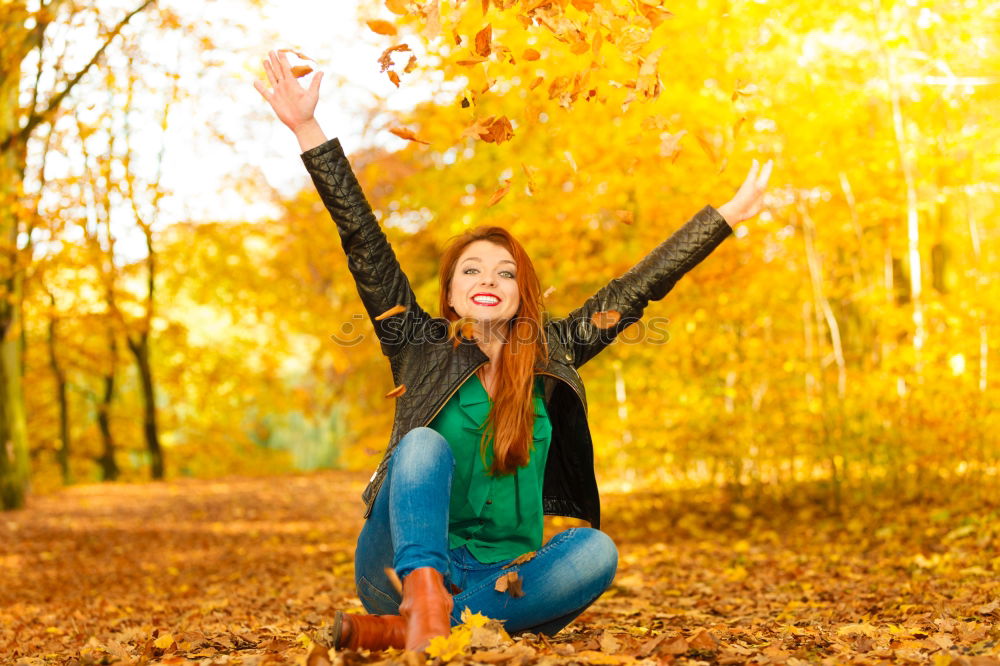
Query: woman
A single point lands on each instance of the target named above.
(490, 430)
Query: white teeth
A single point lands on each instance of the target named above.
(485, 299)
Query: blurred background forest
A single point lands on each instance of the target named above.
(845, 341)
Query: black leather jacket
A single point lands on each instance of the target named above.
(432, 368)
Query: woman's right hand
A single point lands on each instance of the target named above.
(292, 103)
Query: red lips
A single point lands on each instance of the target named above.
(484, 293)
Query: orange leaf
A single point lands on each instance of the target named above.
(394, 310)
(396, 392)
(537, 82)
(404, 133)
(625, 216)
(738, 125)
(648, 81)
(298, 71)
(484, 39)
(521, 559)
(605, 319)
(411, 65)
(531, 181)
(486, 6)
(670, 145)
(385, 60)
(394, 77)
(297, 53)
(397, 7)
(469, 62)
(531, 54)
(500, 193)
(584, 5)
(318, 656)
(510, 583)
(382, 27)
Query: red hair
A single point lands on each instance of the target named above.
(511, 419)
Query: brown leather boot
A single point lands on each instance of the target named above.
(368, 632)
(426, 607)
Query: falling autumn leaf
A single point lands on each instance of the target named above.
(469, 62)
(385, 60)
(648, 81)
(521, 559)
(298, 54)
(624, 216)
(397, 7)
(738, 125)
(500, 193)
(605, 319)
(548, 292)
(410, 65)
(382, 27)
(510, 583)
(531, 55)
(298, 71)
(396, 392)
(394, 310)
(484, 39)
(404, 133)
(394, 77)
(670, 145)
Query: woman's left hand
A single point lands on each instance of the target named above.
(749, 199)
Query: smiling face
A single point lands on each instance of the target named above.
(484, 284)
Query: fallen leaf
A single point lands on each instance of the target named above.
(318, 656)
(394, 310)
(676, 646)
(396, 392)
(382, 27)
(703, 640)
(605, 319)
(404, 133)
(164, 641)
(609, 644)
(594, 657)
(447, 648)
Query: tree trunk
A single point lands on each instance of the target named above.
(140, 350)
(109, 468)
(14, 465)
(63, 454)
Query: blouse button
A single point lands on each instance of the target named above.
(569, 357)
(489, 501)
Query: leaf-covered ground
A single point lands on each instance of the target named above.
(246, 571)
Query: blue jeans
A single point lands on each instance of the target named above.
(408, 529)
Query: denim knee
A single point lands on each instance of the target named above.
(602, 555)
(420, 447)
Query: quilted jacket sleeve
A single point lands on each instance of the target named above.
(649, 280)
(380, 281)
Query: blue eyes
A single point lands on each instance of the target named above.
(507, 274)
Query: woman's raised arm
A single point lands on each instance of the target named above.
(657, 273)
(378, 276)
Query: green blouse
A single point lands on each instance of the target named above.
(496, 517)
